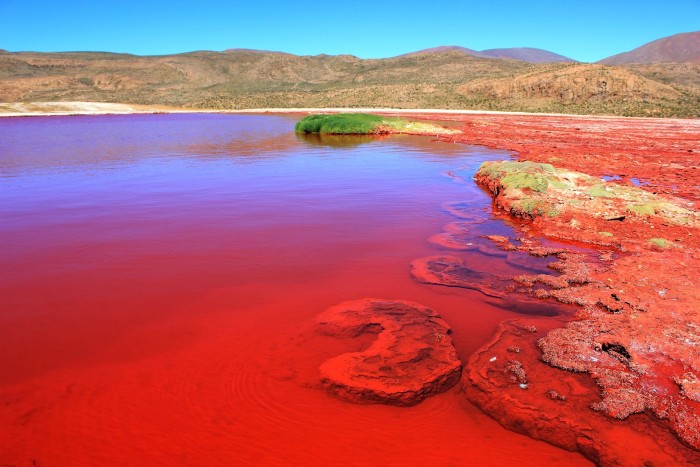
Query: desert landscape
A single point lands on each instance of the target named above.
(266, 258)
(660, 80)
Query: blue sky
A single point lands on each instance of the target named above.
(586, 30)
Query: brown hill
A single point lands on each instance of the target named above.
(447, 48)
(448, 79)
(617, 90)
(683, 47)
(684, 75)
(523, 54)
(526, 54)
(184, 78)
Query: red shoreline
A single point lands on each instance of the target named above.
(643, 302)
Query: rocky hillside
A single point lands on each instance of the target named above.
(449, 78)
(582, 87)
(677, 48)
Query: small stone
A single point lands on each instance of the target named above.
(554, 395)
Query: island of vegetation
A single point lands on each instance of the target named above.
(366, 124)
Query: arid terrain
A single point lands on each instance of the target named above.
(663, 83)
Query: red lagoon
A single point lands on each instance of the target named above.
(162, 274)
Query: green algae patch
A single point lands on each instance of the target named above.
(643, 209)
(365, 124)
(530, 190)
(340, 124)
(600, 191)
(520, 175)
(660, 242)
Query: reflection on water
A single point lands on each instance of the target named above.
(152, 265)
(40, 143)
(339, 141)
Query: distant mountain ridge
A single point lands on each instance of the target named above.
(523, 54)
(684, 47)
(527, 54)
(449, 77)
(445, 48)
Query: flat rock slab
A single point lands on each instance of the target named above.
(451, 271)
(509, 381)
(412, 358)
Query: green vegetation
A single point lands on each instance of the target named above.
(599, 191)
(533, 207)
(553, 212)
(660, 242)
(520, 175)
(535, 189)
(340, 124)
(364, 124)
(646, 209)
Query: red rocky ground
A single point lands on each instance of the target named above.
(412, 357)
(632, 352)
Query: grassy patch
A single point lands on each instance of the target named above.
(366, 124)
(660, 242)
(643, 209)
(553, 212)
(520, 175)
(599, 191)
(531, 206)
(340, 124)
(522, 181)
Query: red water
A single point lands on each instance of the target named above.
(159, 274)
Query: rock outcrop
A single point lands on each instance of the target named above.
(509, 382)
(412, 358)
(638, 333)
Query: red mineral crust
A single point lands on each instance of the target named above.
(412, 357)
(634, 346)
(638, 335)
(660, 153)
(452, 272)
(509, 382)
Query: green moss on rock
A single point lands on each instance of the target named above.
(660, 242)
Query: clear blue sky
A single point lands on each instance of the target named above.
(586, 30)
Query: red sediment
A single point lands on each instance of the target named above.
(412, 358)
(509, 382)
(638, 332)
(464, 211)
(458, 236)
(660, 153)
(452, 272)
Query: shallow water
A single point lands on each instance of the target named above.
(159, 272)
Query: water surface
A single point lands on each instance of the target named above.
(158, 270)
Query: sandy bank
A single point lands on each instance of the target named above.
(27, 109)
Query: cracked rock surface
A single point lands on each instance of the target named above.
(412, 357)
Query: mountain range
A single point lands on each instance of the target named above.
(661, 78)
(677, 48)
(525, 54)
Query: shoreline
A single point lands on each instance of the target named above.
(70, 108)
(634, 337)
(638, 309)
